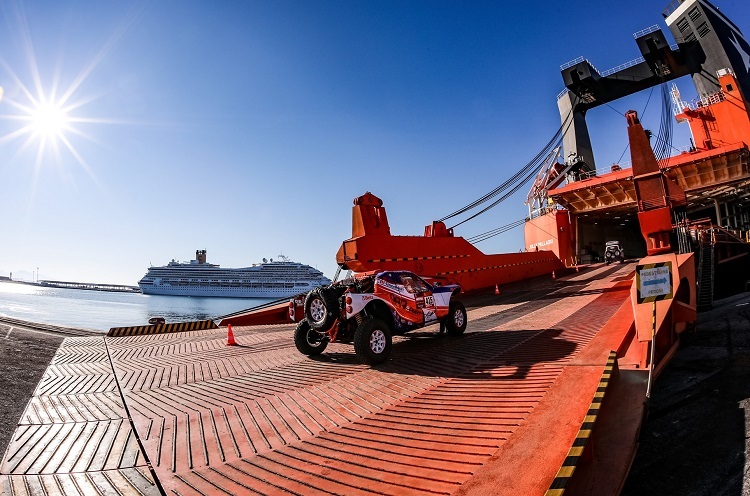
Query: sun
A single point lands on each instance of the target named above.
(49, 120)
(46, 122)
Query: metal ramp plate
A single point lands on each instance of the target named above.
(260, 418)
(74, 436)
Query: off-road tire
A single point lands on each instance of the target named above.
(307, 340)
(372, 341)
(455, 322)
(321, 308)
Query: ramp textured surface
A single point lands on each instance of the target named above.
(260, 418)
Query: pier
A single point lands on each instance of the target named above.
(120, 288)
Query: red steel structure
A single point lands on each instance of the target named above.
(438, 254)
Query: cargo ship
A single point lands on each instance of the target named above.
(576, 207)
(280, 279)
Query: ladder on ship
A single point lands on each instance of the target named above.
(705, 269)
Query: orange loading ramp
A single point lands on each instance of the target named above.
(502, 409)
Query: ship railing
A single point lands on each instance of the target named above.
(622, 67)
(671, 8)
(648, 30)
(606, 170)
(726, 235)
(573, 62)
(578, 60)
(538, 212)
(701, 102)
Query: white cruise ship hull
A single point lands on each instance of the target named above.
(228, 292)
(281, 279)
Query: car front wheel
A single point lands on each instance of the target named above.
(455, 322)
(309, 341)
(372, 341)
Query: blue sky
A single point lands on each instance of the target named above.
(246, 128)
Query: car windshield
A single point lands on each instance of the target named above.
(413, 284)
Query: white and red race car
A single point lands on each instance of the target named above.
(368, 309)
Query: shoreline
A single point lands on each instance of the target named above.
(80, 286)
(39, 327)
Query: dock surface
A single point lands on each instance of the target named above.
(493, 411)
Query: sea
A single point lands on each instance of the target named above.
(101, 310)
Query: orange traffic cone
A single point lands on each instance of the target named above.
(497, 289)
(230, 336)
(553, 274)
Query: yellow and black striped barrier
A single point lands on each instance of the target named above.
(557, 488)
(162, 328)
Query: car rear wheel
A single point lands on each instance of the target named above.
(455, 322)
(372, 341)
(321, 307)
(307, 340)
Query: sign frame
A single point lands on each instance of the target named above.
(648, 275)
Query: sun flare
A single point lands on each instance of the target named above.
(49, 119)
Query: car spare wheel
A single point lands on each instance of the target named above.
(455, 322)
(309, 341)
(321, 308)
(372, 341)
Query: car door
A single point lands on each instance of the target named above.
(423, 297)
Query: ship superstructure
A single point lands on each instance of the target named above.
(576, 207)
(270, 279)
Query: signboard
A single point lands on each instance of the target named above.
(653, 282)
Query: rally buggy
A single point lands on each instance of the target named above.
(368, 309)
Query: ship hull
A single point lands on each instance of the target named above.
(275, 280)
(229, 292)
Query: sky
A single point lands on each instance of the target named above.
(246, 128)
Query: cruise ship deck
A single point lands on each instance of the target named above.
(507, 408)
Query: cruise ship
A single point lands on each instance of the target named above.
(280, 279)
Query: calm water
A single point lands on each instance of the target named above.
(101, 310)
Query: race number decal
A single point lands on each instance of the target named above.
(429, 301)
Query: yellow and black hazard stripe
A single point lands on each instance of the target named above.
(162, 328)
(414, 259)
(584, 433)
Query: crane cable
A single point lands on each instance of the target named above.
(662, 148)
(515, 188)
(494, 232)
(523, 173)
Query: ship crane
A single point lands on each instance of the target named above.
(549, 177)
